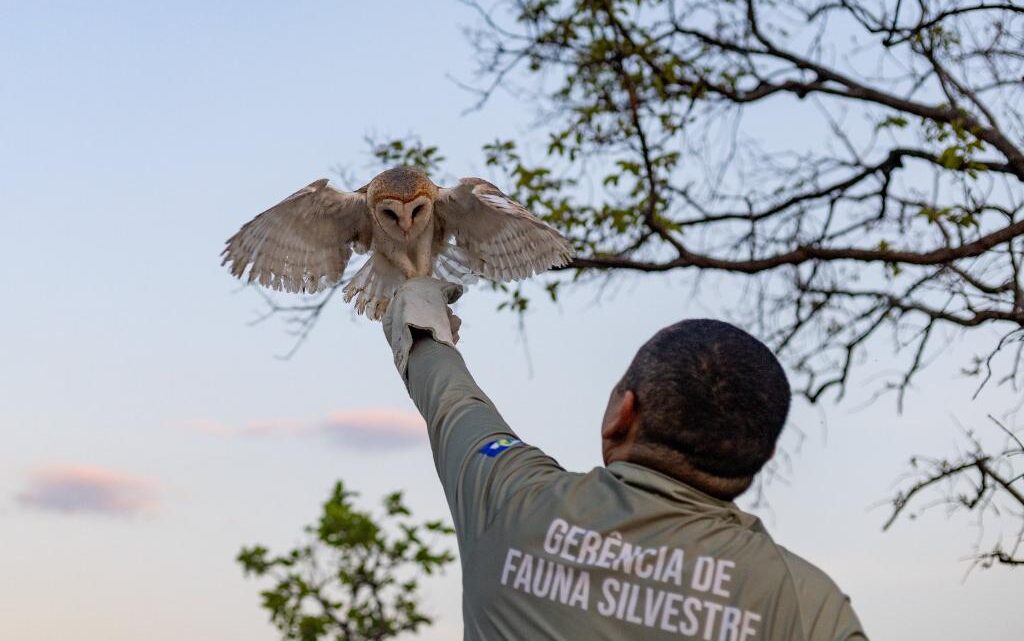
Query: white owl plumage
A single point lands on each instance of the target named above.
(408, 225)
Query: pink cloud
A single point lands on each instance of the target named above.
(79, 489)
(375, 428)
(365, 428)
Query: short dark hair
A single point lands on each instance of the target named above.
(712, 393)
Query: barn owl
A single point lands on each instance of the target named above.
(409, 226)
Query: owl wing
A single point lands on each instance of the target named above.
(500, 238)
(303, 243)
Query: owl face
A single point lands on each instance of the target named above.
(404, 221)
(401, 202)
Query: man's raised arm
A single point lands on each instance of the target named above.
(479, 459)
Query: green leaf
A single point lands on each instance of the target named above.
(897, 122)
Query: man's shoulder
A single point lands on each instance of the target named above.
(824, 608)
(808, 576)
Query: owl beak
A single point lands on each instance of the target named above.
(405, 220)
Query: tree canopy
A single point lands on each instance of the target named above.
(693, 119)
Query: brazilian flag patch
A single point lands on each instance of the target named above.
(499, 445)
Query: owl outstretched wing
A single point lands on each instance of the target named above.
(303, 243)
(500, 238)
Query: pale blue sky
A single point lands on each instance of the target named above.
(134, 138)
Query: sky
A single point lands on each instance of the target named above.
(150, 432)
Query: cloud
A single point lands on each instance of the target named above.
(81, 489)
(371, 428)
(375, 428)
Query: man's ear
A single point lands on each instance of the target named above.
(620, 418)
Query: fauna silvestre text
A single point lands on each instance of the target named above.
(693, 603)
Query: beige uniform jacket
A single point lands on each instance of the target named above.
(621, 552)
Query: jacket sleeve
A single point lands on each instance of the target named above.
(831, 618)
(846, 625)
(479, 459)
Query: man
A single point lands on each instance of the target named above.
(649, 546)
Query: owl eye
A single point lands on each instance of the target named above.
(416, 211)
(390, 213)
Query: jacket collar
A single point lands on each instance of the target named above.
(644, 478)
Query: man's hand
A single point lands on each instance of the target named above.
(421, 305)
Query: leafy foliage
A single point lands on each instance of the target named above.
(354, 580)
(661, 156)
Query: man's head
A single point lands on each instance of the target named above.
(703, 401)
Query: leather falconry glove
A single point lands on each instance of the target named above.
(421, 304)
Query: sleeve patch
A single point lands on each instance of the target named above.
(498, 445)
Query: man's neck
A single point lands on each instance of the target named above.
(675, 465)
